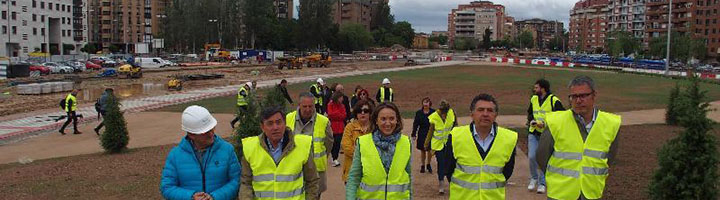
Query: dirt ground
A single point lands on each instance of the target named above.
(154, 83)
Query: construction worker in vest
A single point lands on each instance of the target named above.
(277, 164)
(482, 154)
(305, 121)
(578, 145)
(385, 93)
(381, 168)
(318, 92)
(70, 109)
(242, 102)
(442, 121)
(541, 103)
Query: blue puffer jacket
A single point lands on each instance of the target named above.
(182, 176)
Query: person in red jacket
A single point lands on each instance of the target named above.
(337, 115)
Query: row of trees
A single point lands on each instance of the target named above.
(683, 46)
(254, 24)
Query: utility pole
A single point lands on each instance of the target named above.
(669, 26)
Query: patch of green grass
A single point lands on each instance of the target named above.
(511, 86)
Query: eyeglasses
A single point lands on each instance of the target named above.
(364, 111)
(580, 96)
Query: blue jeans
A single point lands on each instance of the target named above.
(533, 141)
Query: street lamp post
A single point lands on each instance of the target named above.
(669, 26)
(217, 25)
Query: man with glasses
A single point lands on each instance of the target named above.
(203, 166)
(278, 164)
(578, 145)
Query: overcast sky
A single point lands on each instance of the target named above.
(431, 15)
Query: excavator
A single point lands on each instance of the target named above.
(214, 52)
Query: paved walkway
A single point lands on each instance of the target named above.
(20, 126)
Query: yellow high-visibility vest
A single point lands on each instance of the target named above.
(540, 110)
(382, 95)
(70, 107)
(377, 183)
(316, 87)
(442, 129)
(318, 138)
(282, 181)
(242, 100)
(475, 177)
(576, 166)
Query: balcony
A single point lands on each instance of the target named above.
(78, 38)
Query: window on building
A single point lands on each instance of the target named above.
(42, 31)
(50, 6)
(24, 8)
(4, 14)
(34, 17)
(34, 3)
(42, 5)
(42, 18)
(707, 21)
(13, 16)
(63, 8)
(707, 31)
(34, 31)
(62, 32)
(14, 30)
(4, 29)
(14, 3)
(57, 6)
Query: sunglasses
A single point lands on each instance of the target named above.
(364, 111)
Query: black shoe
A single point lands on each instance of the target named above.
(429, 168)
(77, 133)
(422, 169)
(62, 133)
(97, 131)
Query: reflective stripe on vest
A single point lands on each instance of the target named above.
(284, 180)
(377, 183)
(540, 110)
(73, 106)
(442, 129)
(242, 100)
(575, 166)
(316, 87)
(475, 177)
(382, 95)
(318, 137)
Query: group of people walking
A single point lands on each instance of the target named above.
(289, 159)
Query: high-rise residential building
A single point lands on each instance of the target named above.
(627, 16)
(588, 25)
(122, 24)
(284, 9)
(509, 29)
(56, 27)
(353, 11)
(544, 30)
(698, 18)
(471, 20)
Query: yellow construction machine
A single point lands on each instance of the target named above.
(130, 71)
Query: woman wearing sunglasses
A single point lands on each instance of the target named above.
(360, 125)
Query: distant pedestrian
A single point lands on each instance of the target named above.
(101, 106)
(318, 91)
(242, 102)
(283, 89)
(203, 165)
(337, 116)
(421, 127)
(385, 93)
(71, 109)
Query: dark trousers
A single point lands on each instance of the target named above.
(241, 111)
(443, 158)
(71, 116)
(102, 123)
(319, 109)
(336, 146)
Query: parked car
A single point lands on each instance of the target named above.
(39, 67)
(77, 66)
(152, 62)
(58, 68)
(540, 61)
(89, 65)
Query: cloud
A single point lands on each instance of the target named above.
(431, 15)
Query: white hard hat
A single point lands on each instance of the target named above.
(321, 81)
(197, 120)
(249, 84)
(386, 81)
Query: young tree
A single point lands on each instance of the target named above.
(672, 111)
(315, 23)
(688, 164)
(487, 43)
(525, 39)
(261, 23)
(353, 37)
(114, 138)
(249, 122)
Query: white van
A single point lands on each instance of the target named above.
(151, 62)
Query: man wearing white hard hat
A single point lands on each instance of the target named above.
(318, 91)
(202, 166)
(385, 93)
(242, 101)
